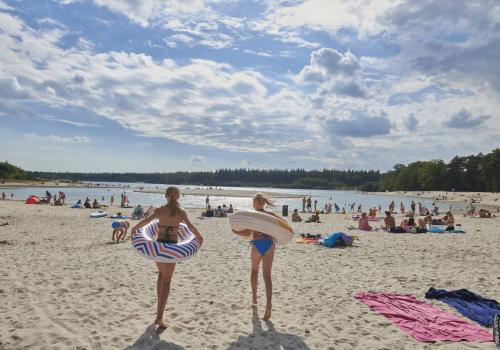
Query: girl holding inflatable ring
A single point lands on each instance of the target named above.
(169, 216)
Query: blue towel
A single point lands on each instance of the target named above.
(472, 306)
(331, 240)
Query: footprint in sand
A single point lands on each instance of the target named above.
(177, 330)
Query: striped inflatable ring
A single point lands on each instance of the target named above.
(144, 242)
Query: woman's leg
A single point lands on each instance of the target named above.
(254, 274)
(165, 272)
(267, 266)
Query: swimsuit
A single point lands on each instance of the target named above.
(262, 244)
(167, 231)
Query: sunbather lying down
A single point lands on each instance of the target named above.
(314, 218)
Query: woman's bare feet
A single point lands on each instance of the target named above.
(267, 314)
(159, 322)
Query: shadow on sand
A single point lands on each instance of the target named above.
(151, 340)
(270, 339)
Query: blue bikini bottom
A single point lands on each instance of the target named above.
(262, 245)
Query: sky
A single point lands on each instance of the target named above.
(169, 85)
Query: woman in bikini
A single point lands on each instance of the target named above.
(262, 250)
(170, 216)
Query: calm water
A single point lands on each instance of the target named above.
(342, 198)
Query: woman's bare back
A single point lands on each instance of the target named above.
(169, 225)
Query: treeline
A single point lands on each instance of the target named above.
(298, 178)
(470, 173)
(12, 172)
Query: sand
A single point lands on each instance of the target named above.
(64, 285)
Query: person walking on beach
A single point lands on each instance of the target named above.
(263, 248)
(304, 201)
(207, 202)
(170, 216)
(111, 200)
(309, 204)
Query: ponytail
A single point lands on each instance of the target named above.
(264, 200)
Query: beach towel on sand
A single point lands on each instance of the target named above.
(423, 321)
(471, 305)
(336, 239)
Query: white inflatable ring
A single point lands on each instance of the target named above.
(277, 228)
(144, 242)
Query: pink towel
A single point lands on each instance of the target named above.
(423, 321)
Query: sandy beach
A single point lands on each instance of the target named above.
(65, 285)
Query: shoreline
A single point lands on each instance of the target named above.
(486, 200)
(221, 192)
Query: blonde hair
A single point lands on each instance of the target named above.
(172, 194)
(264, 200)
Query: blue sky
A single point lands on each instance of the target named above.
(149, 85)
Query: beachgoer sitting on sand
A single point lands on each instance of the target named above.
(138, 212)
(95, 204)
(209, 213)
(295, 216)
(230, 210)
(408, 225)
(389, 221)
(450, 221)
(314, 218)
(343, 210)
(363, 223)
(150, 211)
(87, 204)
(3, 195)
(120, 232)
(62, 196)
(483, 213)
(58, 202)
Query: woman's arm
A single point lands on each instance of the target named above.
(191, 227)
(243, 233)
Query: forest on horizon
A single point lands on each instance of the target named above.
(468, 173)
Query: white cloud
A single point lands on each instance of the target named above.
(57, 138)
(197, 159)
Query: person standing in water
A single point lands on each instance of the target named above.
(170, 216)
(262, 250)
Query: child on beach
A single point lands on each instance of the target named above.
(262, 250)
(170, 216)
(119, 230)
